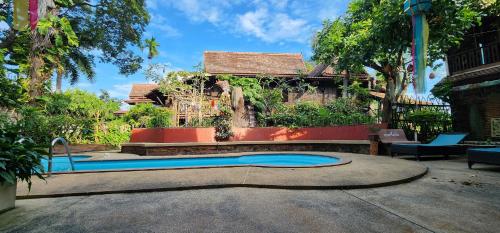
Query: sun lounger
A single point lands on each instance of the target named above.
(483, 155)
(387, 137)
(394, 136)
(445, 144)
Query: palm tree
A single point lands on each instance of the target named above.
(152, 46)
(72, 65)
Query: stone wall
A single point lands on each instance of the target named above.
(159, 150)
(79, 148)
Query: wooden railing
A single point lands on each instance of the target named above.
(471, 58)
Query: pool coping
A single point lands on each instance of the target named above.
(342, 161)
(222, 186)
(364, 171)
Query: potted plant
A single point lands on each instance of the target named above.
(20, 159)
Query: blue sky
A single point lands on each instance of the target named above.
(186, 28)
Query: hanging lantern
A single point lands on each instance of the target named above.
(29, 12)
(21, 15)
(417, 9)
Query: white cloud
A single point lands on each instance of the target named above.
(200, 11)
(274, 27)
(160, 24)
(268, 20)
(120, 91)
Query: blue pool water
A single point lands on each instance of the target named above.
(61, 164)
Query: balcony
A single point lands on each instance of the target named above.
(473, 58)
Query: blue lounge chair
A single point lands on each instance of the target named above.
(445, 144)
(483, 155)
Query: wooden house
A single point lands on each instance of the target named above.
(287, 66)
(474, 78)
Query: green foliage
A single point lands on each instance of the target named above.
(252, 90)
(148, 116)
(72, 36)
(442, 90)
(152, 46)
(203, 123)
(114, 133)
(360, 94)
(266, 93)
(223, 124)
(12, 93)
(307, 114)
(113, 27)
(428, 123)
(173, 84)
(20, 158)
(43, 127)
(377, 34)
(75, 115)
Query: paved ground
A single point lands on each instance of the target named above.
(450, 198)
(364, 171)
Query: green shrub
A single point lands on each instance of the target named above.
(148, 116)
(20, 158)
(75, 115)
(308, 114)
(222, 123)
(428, 123)
(12, 93)
(114, 133)
(203, 122)
(161, 118)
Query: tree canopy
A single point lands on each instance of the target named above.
(377, 34)
(74, 35)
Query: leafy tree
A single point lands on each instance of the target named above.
(75, 114)
(148, 116)
(73, 36)
(377, 34)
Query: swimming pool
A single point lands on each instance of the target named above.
(61, 164)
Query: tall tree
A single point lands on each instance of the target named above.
(105, 31)
(377, 34)
(152, 46)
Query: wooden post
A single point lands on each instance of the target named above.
(374, 141)
(345, 85)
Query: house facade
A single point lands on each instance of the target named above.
(289, 67)
(474, 79)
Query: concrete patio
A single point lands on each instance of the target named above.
(450, 198)
(364, 171)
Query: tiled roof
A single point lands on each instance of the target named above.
(139, 90)
(329, 71)
(323, 70)
(138, 93)
(247, 63)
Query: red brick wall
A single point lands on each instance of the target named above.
(180, 135)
